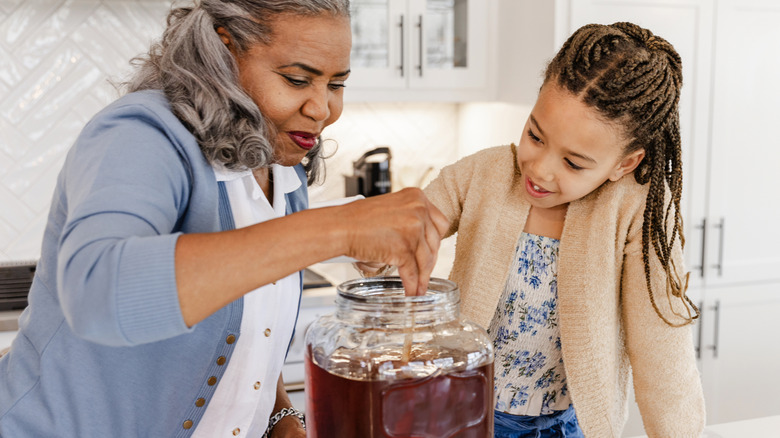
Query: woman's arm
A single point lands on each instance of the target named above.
(289, 426)
(125, 276)
(402, 229)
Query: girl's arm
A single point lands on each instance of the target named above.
(666, 380)
(448, 193)
(449, 189)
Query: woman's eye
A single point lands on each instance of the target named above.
(336, 85)
(295, 82)
(572, 165)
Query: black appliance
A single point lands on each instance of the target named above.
(15, 281)
(371, 174)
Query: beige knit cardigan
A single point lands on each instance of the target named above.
(608, 325)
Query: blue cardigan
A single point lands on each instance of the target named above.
(102, 349)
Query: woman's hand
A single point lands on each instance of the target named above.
(373, 269)
(402, 229)
(288, 427)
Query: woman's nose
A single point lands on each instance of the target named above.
(317, 106)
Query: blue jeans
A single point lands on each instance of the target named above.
(561, 424)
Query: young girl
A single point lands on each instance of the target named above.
(570, 246)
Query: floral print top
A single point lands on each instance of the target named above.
(529, 375)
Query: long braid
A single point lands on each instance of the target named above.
(634, 78)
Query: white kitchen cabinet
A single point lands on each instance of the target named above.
(731, 55)
(738, 235)
(728, 108)
(728, 111)
(740, 354)
(743, 209)
(419, 50)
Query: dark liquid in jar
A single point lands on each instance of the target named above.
(456, 405)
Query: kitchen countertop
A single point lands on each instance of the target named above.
(9, 320)
(764, 427)
(336, 273)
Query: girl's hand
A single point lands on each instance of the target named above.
(402, 229)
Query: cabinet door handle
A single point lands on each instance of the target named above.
(402, 67)
(716, 339)
(721, 226)
(699, 323)
(420, 41)
(703, 227)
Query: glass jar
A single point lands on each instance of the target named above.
(385, 365)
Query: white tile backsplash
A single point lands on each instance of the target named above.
(56, 60)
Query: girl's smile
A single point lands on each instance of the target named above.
(535, 190)
(568, 151)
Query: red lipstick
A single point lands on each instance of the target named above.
(305, 140)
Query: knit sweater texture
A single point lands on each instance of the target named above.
(102, 348)
(609, 329)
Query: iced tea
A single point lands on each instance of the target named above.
(451, 405)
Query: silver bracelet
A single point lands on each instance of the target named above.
(277, 417)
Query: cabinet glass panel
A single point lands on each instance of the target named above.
(370, 34)
(446, 30)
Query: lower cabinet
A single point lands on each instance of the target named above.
(737, 340)
(740, 352)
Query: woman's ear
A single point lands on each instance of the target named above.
(224, 35)
(627, 164)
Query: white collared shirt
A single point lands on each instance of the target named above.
(244, 398)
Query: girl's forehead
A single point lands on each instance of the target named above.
(563, 118)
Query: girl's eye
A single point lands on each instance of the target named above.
(572, 165)
(533, 136)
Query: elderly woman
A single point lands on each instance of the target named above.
(168, 286)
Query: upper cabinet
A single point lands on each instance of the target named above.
(731, 55)
(419, 50)
(730, 52)
(740, 233)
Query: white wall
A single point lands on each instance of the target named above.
(55, 59)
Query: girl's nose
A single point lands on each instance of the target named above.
(543, 168)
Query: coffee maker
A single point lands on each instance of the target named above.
(371, 174)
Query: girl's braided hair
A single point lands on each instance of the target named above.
(633, 78)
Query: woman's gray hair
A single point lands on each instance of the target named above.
(199, 75)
